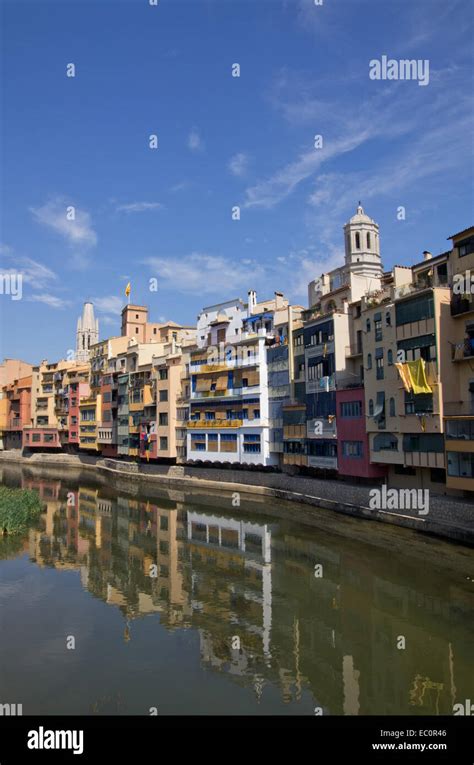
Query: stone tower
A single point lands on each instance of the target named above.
(361, 235)
(87, 332)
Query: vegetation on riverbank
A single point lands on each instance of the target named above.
(19, 508)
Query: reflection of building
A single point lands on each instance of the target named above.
(328, 641)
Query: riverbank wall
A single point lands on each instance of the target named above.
(447, 518)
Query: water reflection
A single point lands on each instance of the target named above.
(247, 588)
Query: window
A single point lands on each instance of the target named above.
(367, 325)
(164, 547)
(460, 430)
(163, 443)
(228, 437)
(371, 407)
(252, 443)
(136, 330)
(385, 442)
(163, 374)
(389, 358)
(369, 361)
(245, 414)
(209, 415)
(163, 419)
(391, 407)
(351, 409)
(163, 395)
(418, 404)
(256, 414)
(163, 523)
(466, 246)
(357, 241)
(438, 475)
(36, 437)
(423, 346)
(378, 327)
(245, 382)
(423, 442)
(415, 309)
(388, 319)
(212, 437)
(379, 367)
(368, 241)
(401, 470)
(352, 448)
(154, 330)
(48, 438)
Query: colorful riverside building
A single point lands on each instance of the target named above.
(15, 412)
(327, 361)
(459, 392)
(231, 420)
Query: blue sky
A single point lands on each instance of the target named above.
(222, 141)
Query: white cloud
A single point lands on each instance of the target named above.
(54, 214)
(201, 273)
(34, 273)
(110, 304)
(52, 300)
(238, 164)
(139, 207)
(195, 142)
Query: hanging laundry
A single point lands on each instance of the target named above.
(417, 372)
(404, 375)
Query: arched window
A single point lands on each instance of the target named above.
(389, 357)
(371, 406)
(357, 241)
(388, 319)
(392, 407)
(368, 241)
(369, 361)
(368, 325)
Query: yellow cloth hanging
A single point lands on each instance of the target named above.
(404, 375)
(416, 371)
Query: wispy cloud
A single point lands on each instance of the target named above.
(195, 142)
(139, 207)
(53, 301)
(73, 224)
(238, 164)
(110, 304)
(34, 273)
(203, 273)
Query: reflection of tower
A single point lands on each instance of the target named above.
(87, 332)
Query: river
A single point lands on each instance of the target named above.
(128, 599)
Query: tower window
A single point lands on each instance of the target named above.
(136, 330)
(136, 315)
(368, 241)
(357, 241)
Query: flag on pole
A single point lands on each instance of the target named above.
(128, 289)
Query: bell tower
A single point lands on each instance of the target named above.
(362, 245)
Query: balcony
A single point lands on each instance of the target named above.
(229, 393)
(461, 305)
(463, 350)
(323, 463)
(355, 349)
(215, 423)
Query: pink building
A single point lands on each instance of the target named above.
(353, 454)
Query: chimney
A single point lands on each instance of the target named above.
(252, 301)
(427, 255)
(278, 300)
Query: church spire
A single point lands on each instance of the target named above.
(87, 333)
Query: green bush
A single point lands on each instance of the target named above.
(19, 508)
